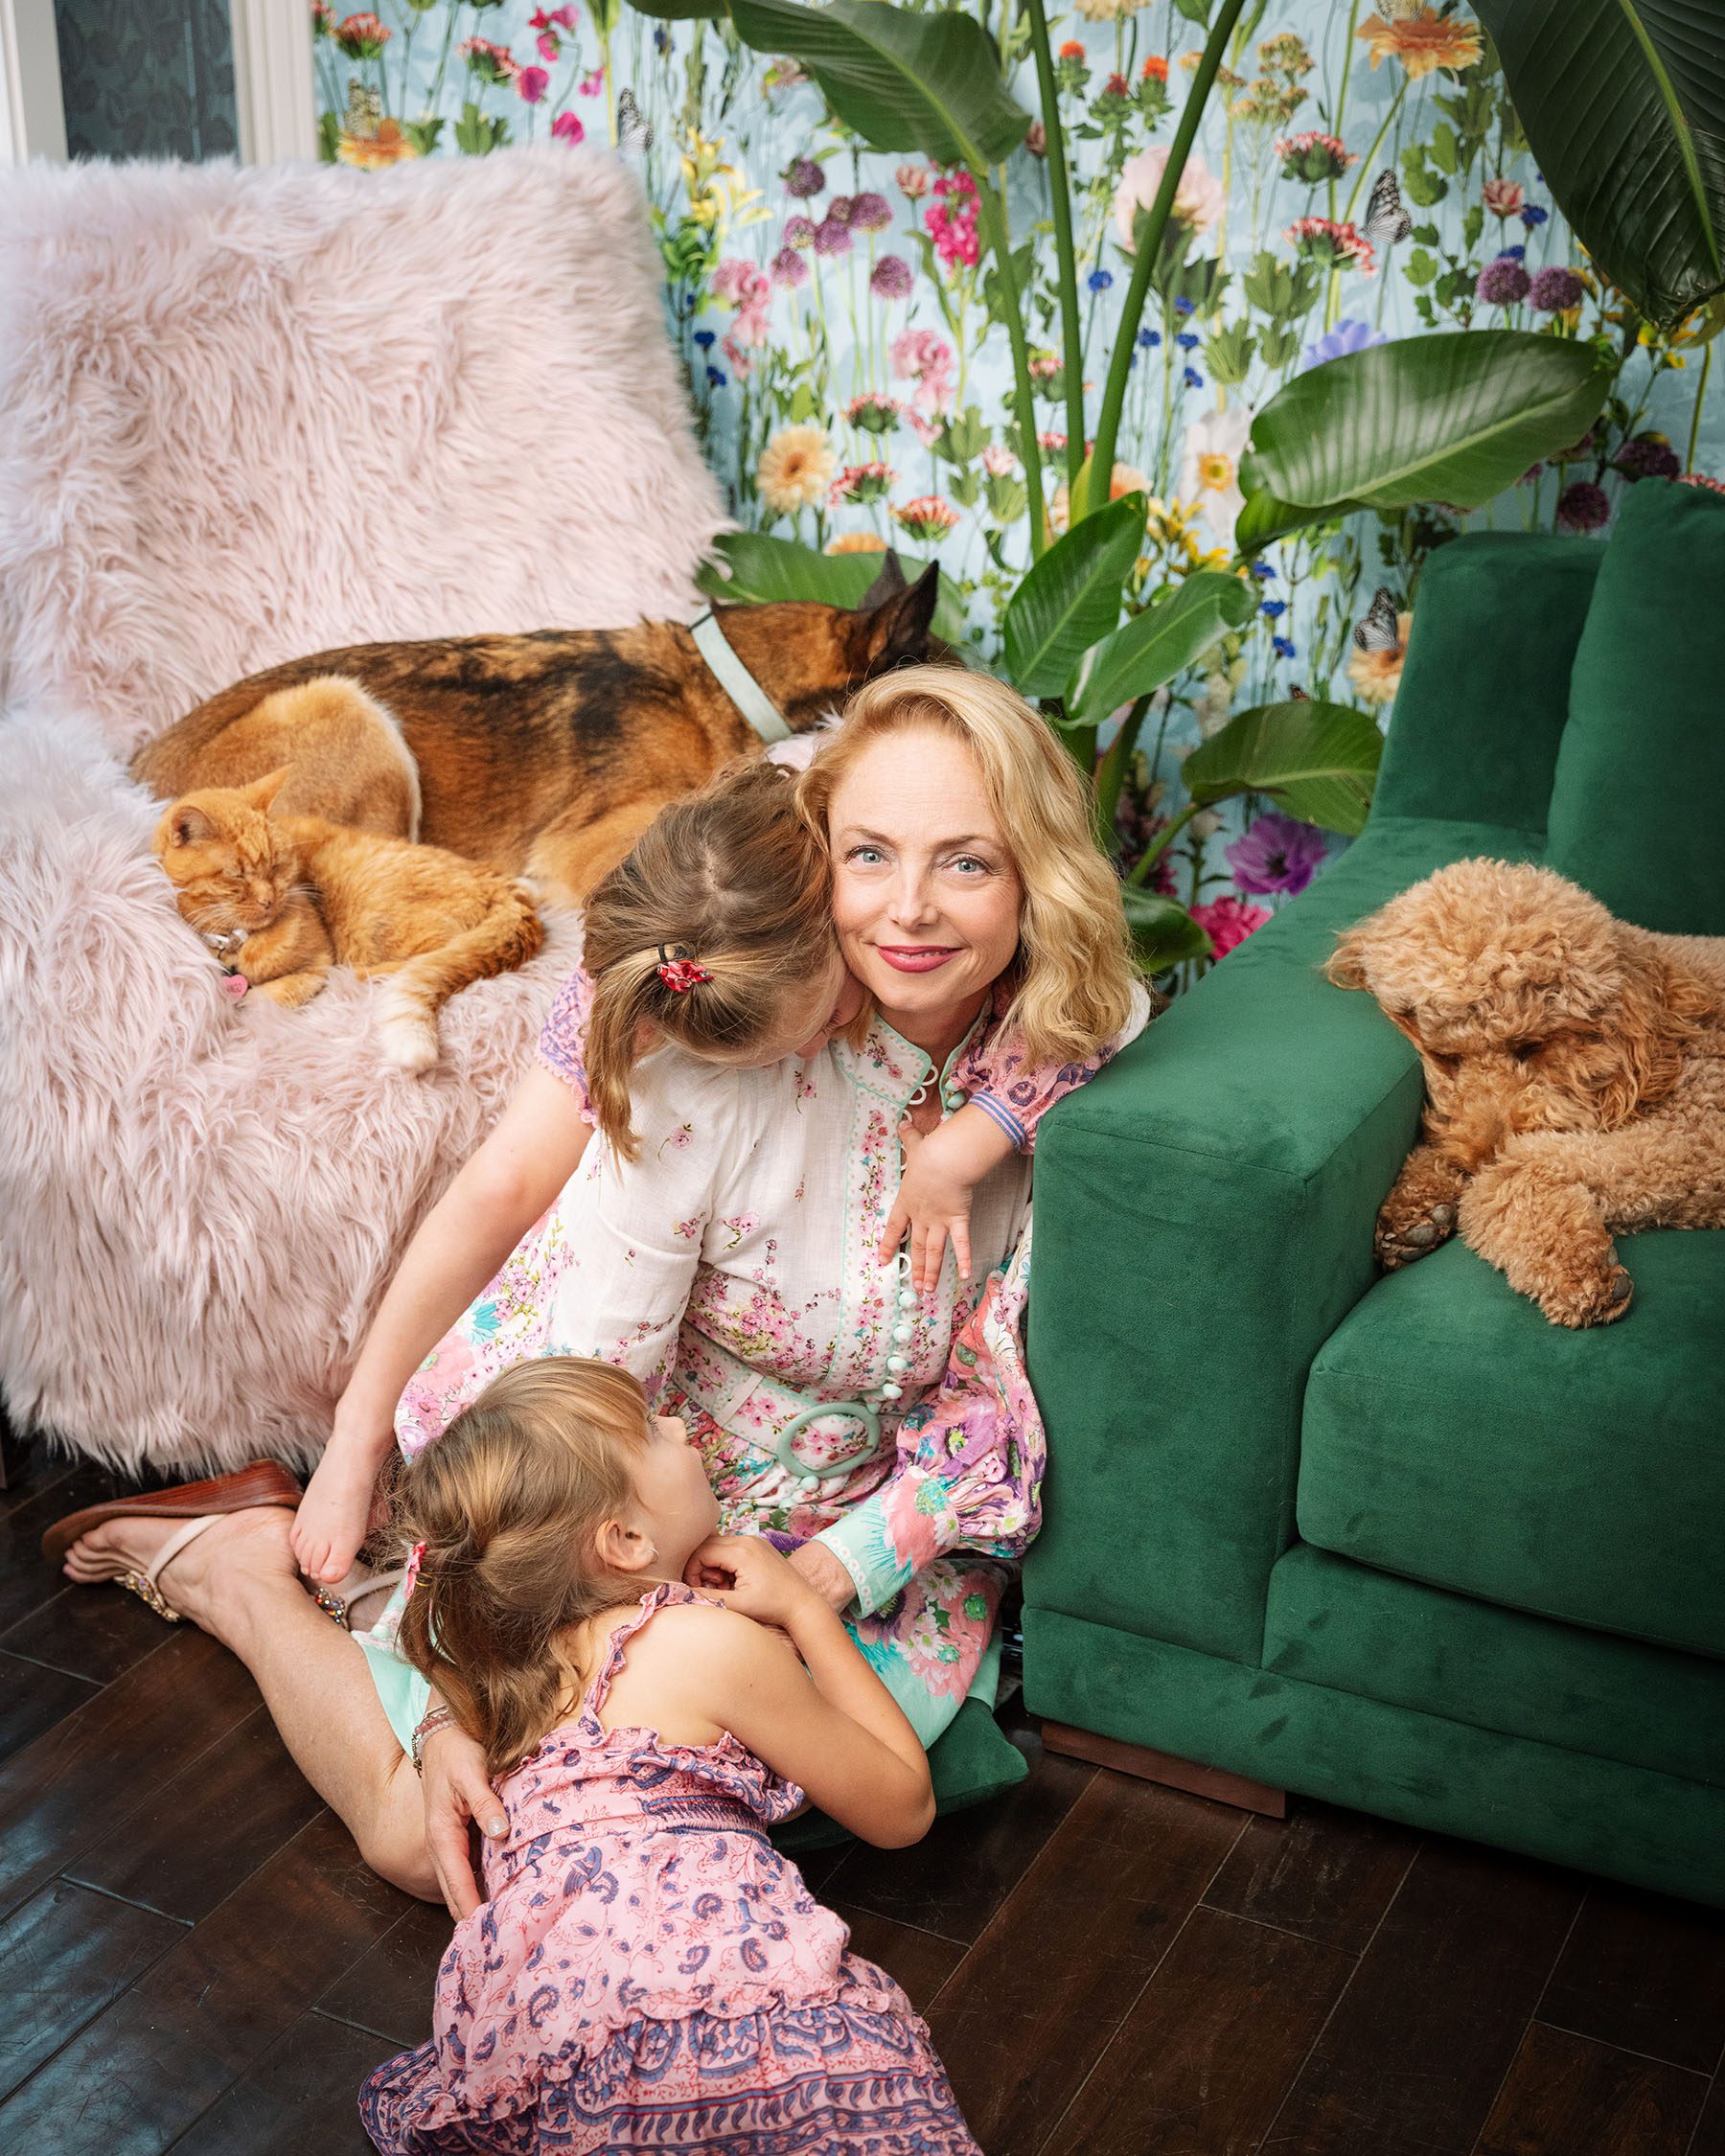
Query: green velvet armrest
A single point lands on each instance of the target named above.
(1203, 1218)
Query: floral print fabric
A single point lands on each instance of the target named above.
(731, 1268)
(649, 1971)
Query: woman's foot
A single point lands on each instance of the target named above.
(191, 1583)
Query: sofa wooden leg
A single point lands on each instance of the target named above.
(1140, 1759)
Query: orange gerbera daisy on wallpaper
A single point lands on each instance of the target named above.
(1422, 39)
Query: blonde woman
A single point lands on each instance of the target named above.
(888, 1440)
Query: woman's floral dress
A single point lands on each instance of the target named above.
(731, 1268)
(648, 1972)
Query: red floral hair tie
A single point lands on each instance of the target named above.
(416, 1557)
(679, 973)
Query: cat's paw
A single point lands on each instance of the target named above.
(406, 1036)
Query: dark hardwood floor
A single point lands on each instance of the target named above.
(194, 1957)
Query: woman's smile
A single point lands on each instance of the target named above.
(918, 958)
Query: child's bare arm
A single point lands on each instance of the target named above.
(490, 1205)
(826, 1721)
(934, 1201)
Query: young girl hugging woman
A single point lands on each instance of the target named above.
(715, 937)
(647, 1969)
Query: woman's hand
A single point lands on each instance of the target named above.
(825, 1575)
(747, 1574)
(457, 1791)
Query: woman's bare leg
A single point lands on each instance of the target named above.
(238, 1581)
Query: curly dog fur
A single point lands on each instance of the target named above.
(1574, 1073)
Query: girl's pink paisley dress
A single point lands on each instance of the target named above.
(650, 1973)
(731, 1266)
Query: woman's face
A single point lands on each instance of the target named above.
(924, 891)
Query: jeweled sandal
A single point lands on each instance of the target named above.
(266, 1481)
(144, 1584)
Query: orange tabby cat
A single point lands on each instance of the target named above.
(283, 899)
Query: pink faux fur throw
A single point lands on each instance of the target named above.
(202, 1200)
(249, 414)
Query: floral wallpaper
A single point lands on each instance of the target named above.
(1359, 175)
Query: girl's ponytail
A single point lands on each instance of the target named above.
(735, 883)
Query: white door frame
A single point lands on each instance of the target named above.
(273, 97)
(32, 117)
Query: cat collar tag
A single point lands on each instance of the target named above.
(737, 681)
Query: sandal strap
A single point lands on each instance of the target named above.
(175, 1543)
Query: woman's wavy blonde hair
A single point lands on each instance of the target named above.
(732, 877)
(509, 1503)
(1072, 977)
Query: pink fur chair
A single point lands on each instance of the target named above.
(246, 415)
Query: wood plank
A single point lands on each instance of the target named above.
(1566, 2096)
(35, 1469)
(953, 1880)
(1166, 1767)
(95, 1768)
(1201, 2063)
(1035, 2002)
(1645, 1974)
(26, 1580)
(94, 1632)
(32, 1698)
(917, 1961)
(149, 2065)
(389, 1991)
(1709, 2133)
(1419, 2042)
(196, 1837)
(66, 1953)
(1326, 1873)
(303, 2095)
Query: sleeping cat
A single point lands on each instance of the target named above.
(281, 900)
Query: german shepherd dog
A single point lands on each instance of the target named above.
(545, 755)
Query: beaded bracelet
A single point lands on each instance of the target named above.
(438, 1718)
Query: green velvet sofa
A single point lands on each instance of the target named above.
(1398, 1541)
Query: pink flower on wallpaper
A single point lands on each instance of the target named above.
(1228, 921)
(565, 127)
(1503, 198)
(926, 358)
(591, 83)
(748, 287)
(531, 85)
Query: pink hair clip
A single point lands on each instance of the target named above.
(410, 1577)
(679, 975)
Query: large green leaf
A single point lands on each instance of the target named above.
(1072, 597)
(1624, 103)
(1452, 419)
(928, 82)
(765, 569)
(1163, 931)
(680, 11)
(1155, 646)
(1317, 760)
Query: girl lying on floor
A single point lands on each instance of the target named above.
(647, 1968)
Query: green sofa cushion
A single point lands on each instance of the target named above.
(1452, 1436)
(1477, 719)
(1637, 803)
(1330, 1622)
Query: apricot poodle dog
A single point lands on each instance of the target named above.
(1574, 1073)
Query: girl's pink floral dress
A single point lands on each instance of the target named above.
(650, 1973)
(731, 1266)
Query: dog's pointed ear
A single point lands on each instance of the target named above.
(897, 629)
(887, 585)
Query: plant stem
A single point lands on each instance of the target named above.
(1688, 462)
(994, 227)
(1160, 844)
(1071, 330)
(1148, 238)
(1332, 296)
(1112, 777)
